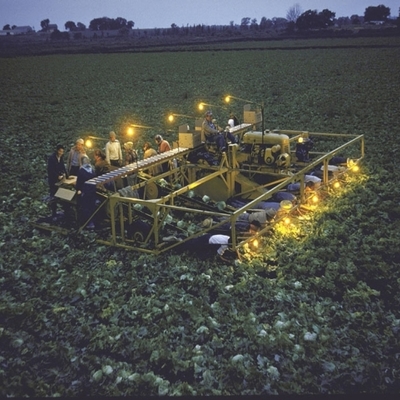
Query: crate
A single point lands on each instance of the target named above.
(189, 140)
(252, 117)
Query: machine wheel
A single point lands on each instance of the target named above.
(152, 191)
(138, 231)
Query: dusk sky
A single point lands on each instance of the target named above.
(162, 13)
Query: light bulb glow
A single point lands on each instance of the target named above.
(227, 99)
(89, 143)
(129, 131)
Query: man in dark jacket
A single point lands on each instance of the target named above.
(56, 172)
(86, 193)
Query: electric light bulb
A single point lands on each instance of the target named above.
(170, 118)
(130, 131)
(88, 143)
(227, 99)
(336, 185)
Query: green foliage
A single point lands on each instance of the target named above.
(313, 311)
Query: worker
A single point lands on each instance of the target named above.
(163, 146)
(101, 165)
(131, 155)
(219, 243)
(233, 121)
(86, 193)
(148, 151)
(311, 182)
(212, 134)
(113, 151)
(56, 172)
(248, 220)
(75, 156)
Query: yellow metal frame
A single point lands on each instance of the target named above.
(161, 207)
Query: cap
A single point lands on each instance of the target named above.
(79, 141)
(209, 113)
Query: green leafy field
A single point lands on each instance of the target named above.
(316, 312)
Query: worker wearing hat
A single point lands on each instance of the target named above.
(211, 134)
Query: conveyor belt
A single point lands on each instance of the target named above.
(240, 128)
(136, 166)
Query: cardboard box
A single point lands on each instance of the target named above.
(198, 124)
(189, 140)
(252, 117)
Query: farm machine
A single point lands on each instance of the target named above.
(138, 211)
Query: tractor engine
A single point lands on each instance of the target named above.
(270, 149)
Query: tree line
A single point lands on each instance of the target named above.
(295, 19)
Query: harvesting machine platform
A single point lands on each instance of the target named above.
(141, 211)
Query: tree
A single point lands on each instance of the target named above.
(293, 13)
(327, 18)
(254, 24)
(105, 23)
(57, 35)
(379, 13)
(355, 19)
(80, 26)
(45, 24)
(7, 27)
(245, 23)
(265, 23)
(99, 24)
(70, 25)
(311, 19)
(308, 20)
(343, 21)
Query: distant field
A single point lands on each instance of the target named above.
(315, 312)
(38, 45)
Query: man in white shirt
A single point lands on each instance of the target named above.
(113, 151)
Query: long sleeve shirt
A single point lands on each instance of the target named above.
(113, 151)
(208, 129)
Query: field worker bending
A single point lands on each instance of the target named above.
(113, 151)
